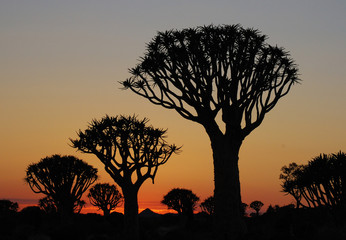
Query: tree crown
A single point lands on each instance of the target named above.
(127, 147)
(105, 196)
(181, 200)
(202, 71)
(61, 177)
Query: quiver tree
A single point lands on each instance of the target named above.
(181, 200)
(289, 176)
(8, 207)
(131, 152)
(105, 196)
(211, 71)
(256, 205)
(321, 182)
(208, 205)
(47, 205)
(63, 179)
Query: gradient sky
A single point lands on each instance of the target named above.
(61, 61)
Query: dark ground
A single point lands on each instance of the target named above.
(290, 224)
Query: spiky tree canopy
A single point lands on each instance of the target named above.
(129, 149)
(320, 182)
(62, 178)
(202, 71)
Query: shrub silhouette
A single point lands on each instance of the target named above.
(105, 196)
(63, 179)
(211, 71)
(131, 152)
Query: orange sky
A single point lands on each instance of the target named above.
(61, 62)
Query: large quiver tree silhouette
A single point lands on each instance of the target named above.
(208, 71)
(63, 179)
(131, 152)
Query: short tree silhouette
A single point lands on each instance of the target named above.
(63, 179)
(208, 205)
(211, 71)
(289, 176)
(181, 200)
(131, 152)
(8, 207)
(243, 209)
(105, 196)
(47, 205)
(256, 205)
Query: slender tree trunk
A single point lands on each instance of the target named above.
(131, 226)
(229, 221)
(106, 211)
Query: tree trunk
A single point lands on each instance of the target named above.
(106, 211)
(229, 221)
(65, 210)
(131, 226)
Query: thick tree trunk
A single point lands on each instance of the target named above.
(65, 210)
(131, 226)
(228, 220)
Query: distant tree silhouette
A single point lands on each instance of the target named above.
(181, 200)
(105, 196)
(63, 179)
(274, 209)
(243, 209)
(47, 205)
(211, 71)
(256, 205)
(7, 207)
(270, 209)
(208, 205)
(131, 152)
(290, 175)
(321, 182)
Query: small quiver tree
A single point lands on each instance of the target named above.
(63, 179)
(47, 205)
(256, 205)
(8, 207)
(181, 200)
(208, 205)
(105, 196)
(131, 152)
